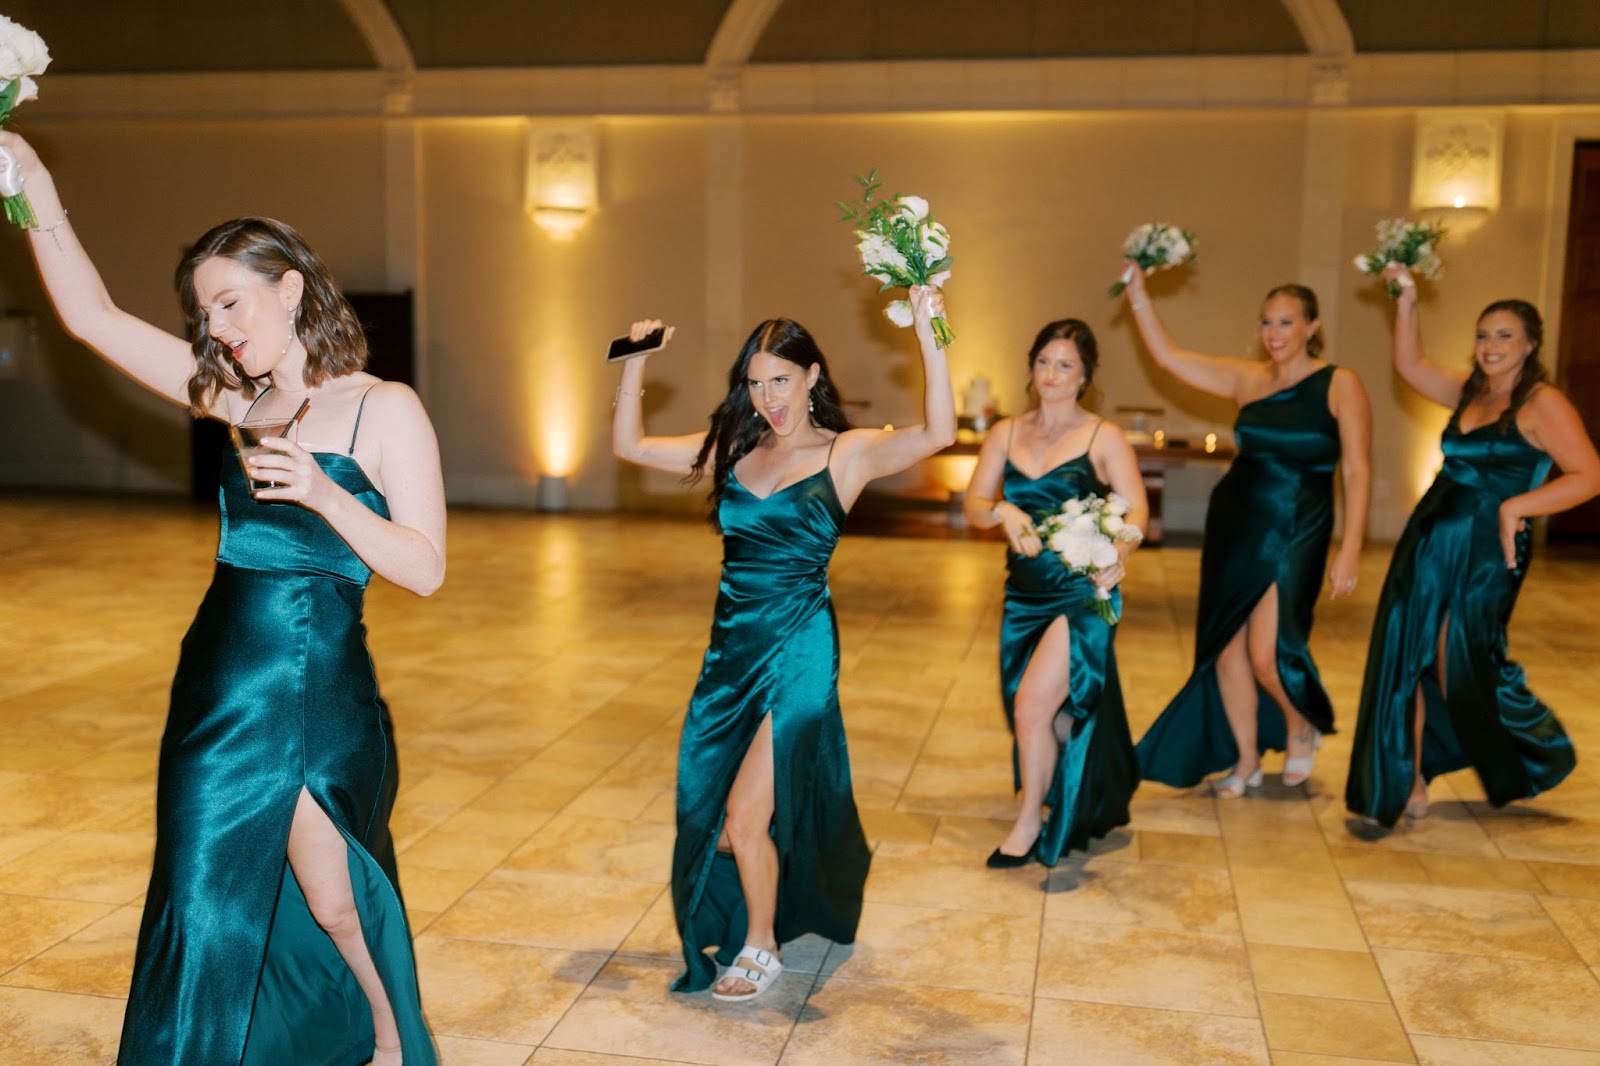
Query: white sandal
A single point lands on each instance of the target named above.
(1233, 786)
(1298, 771)
(760, 969)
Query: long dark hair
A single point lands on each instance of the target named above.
(737, 427)
(324, 322)
(1082, 337)
(1531, 375)
(1308, 308)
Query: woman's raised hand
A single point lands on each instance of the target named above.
(17, 155)
(1133, 282)
(927, 304)
(644, 327)
(1401, 276)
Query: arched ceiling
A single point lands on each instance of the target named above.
(1480, 25)
(173, 36)
(832, 30)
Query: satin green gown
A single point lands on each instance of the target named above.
(1097, 769)
(774, 650)
(1268, 523)
(1448, 573)
(274, 691)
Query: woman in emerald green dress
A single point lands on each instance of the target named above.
(273, 930)
(769, 843)
(1254, 687)
(1441, 692)
(1071, 750)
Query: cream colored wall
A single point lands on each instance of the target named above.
(138, 196)
(715, 223)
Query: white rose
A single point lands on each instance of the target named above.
(1059, 540)
(938, 280)
(1103, 555)
(1116, 505)
(879, 255)
(1112, 524)
(1084, 523)
(1072, 507)
(22, 52)
(899, 313)
(914, 208)
(1077, 552)
(1361, 264)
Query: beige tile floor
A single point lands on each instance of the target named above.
(538, 698)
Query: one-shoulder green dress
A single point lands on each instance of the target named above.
(774, 650)
(1097, 770)
(1268, 523)
(274, 691)
(1448, 573)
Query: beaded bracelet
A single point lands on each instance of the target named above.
(620, 394)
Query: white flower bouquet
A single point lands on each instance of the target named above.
(1411, 244)
(901, 245)
(1154, 246)
(1084, 533)
(23, 57)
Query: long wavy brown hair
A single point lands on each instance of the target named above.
(324, 322)
(737, 427)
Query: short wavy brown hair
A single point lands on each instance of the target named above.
(324, 321)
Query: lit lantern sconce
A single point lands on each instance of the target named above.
(1211, 443)
(561, 186)
(1455, 165)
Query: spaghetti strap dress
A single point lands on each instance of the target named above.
(274, 693)
(1448, 574)
(1097, 769)
(774, 650)
(1268, 523)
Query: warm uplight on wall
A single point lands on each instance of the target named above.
(1455, 165)
(561, 185)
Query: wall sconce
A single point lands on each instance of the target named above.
(561, 185)
(1455, 164)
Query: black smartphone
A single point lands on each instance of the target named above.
(626, 347)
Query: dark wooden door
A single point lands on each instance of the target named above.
(1578, 358)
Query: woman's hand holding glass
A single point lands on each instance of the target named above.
(294, 472)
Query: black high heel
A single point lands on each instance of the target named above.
(999, 860)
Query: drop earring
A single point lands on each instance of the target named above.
(811, 404)
(290, 342)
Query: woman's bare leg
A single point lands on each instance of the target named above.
(1040, 694)
(747, 833)
(1238, 688)
(1263, 644)
(320, 859)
